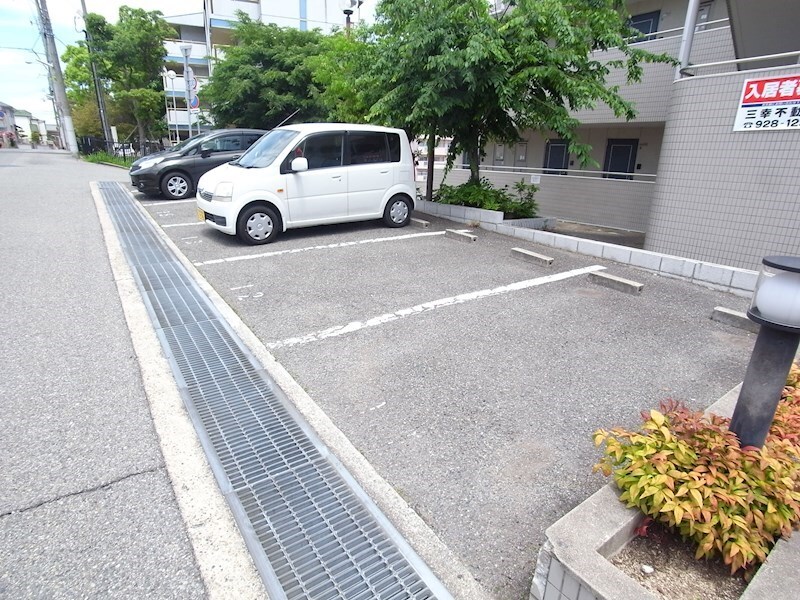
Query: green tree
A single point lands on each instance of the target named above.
(342, 70)
(129, 56)
(80, 91)
(77, 74)
(420, 68)
(264, 78)
(454, 68)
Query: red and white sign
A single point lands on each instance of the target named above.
(769, 103)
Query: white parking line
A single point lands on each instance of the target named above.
(428, 306)
(182, 224)
(147, 204)
(395, 238)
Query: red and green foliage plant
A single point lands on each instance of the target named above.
(689, 472)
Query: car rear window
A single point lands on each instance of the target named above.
(394, 147)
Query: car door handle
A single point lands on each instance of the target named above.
(386, 171)
(336, 176)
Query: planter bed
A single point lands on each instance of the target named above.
(573, 562)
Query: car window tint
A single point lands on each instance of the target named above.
(250, 139)
(394, 146)
(368, 147)
(321, 151)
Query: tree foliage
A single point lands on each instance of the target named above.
(454, 68)
(341, 69)
(265, 77)
(129, 57)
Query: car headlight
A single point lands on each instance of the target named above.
(146, 164)
(223, 192)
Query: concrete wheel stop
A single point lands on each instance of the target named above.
(573, 563)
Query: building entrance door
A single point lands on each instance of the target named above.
(620, 158)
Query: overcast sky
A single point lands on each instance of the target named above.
(24, 86)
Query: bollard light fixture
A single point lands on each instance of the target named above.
(776, 299)
(776, 307)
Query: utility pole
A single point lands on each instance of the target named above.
(101, 102)
(56, 77)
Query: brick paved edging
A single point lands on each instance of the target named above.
(740, 282)
(573, 562)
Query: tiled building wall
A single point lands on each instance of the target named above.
(593, 200)
(722, 196)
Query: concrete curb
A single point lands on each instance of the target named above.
(460, 236)
(420, 223)
(620, 284)
(734, 318)
(740, 282)
(455, 576)
(573, 563)
(528, 256)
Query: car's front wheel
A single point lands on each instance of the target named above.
(397, 212)
(176, 185)
(258, 225)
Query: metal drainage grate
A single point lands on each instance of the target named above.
(313, 532)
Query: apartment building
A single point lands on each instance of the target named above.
(207, 33)
(704, 170)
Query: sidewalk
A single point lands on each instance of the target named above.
(86, 507)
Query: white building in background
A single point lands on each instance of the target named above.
(209, 32)
(27, 124)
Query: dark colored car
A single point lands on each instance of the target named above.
(174, 172)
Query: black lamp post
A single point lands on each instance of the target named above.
(776, 306)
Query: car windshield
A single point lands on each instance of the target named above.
(266, 150)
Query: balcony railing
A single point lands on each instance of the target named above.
(789, 59)
(573, 173)
(587, 198)
(181, 117)
(651, 95)
(177, 87)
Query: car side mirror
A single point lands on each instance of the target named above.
(205, 152)
(300, 164)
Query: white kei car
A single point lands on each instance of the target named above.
(311, 174)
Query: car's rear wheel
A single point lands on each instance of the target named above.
(258, 225)
(176, 185)
(397, 212)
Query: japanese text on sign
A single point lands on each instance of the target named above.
(769, 103)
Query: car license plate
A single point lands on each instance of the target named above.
(201, 215)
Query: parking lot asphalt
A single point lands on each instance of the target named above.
(471, 381)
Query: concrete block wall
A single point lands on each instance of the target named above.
(722, 196)
(596, 201)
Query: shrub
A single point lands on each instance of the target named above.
(689, 472)
(107, 157)
(484, 195)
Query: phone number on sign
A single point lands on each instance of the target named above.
(774, 123)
